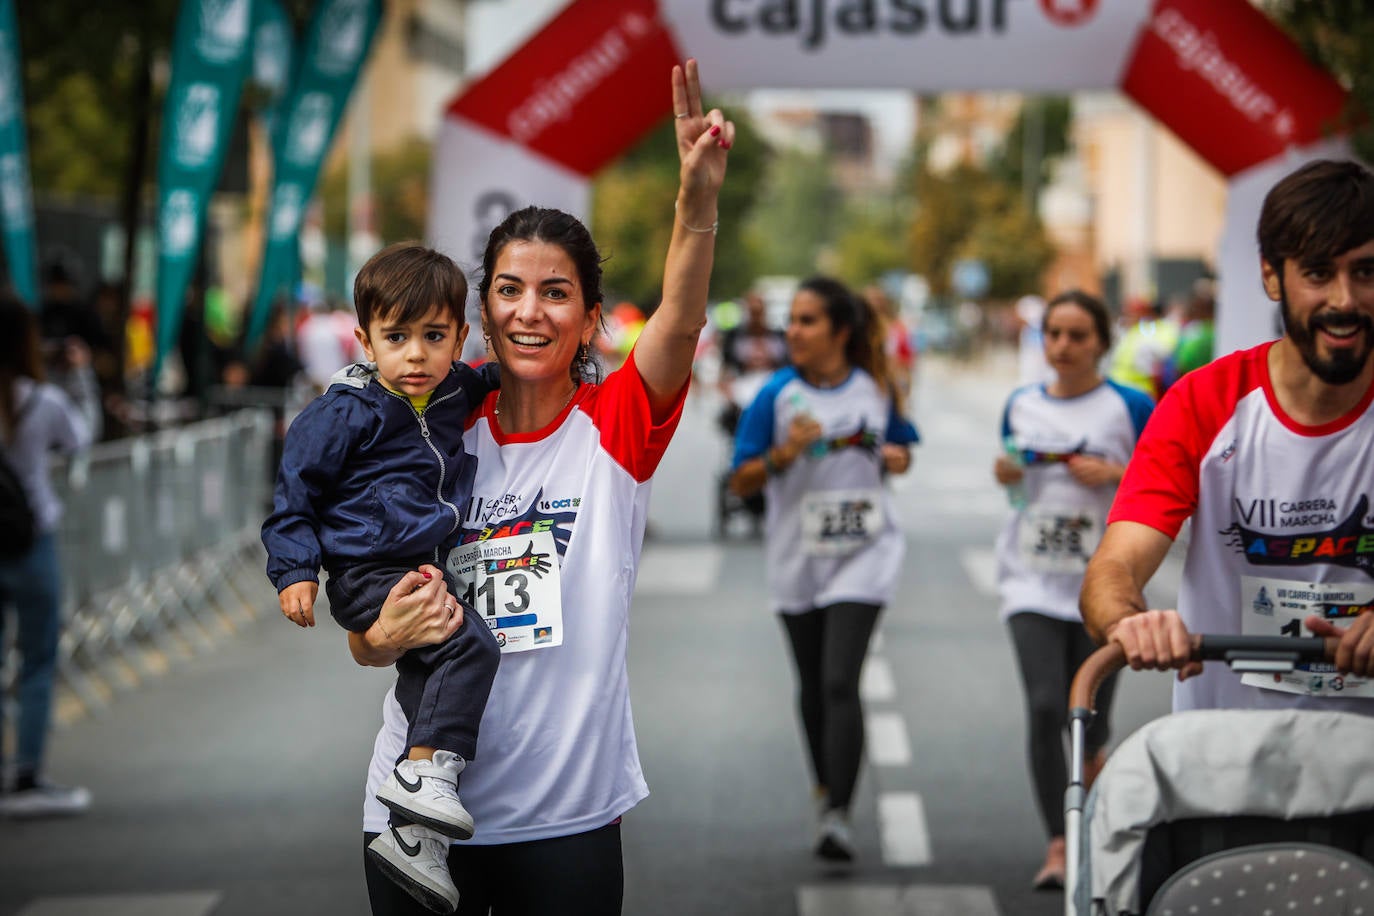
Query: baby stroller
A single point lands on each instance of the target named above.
(1223, 811)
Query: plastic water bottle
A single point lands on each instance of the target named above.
(1016, 492)
(797, 401)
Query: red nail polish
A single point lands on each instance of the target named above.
(715, 130)
(426, 575)
(724, 145)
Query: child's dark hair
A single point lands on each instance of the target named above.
(1102, 319)
(404, 282)
(1320, 211)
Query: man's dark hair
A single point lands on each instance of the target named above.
(405, 281)
(1318, 212)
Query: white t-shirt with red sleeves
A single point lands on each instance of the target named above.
(552, 535)
(1282, 523)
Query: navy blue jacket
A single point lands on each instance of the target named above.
(364, 476)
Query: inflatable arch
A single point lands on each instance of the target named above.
(1218, 73)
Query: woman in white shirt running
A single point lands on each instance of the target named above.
(818, 440)
(1065, 447)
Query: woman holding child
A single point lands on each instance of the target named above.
(552, 535)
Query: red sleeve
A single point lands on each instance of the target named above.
(620, 410)
(1160, 487)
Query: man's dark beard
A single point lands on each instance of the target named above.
(1344, 366)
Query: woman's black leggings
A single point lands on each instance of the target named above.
(1049, 651)
(579, 875)
(828, 646)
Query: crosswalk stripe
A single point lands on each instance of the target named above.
(681, 570)
(196, 903)
(876, 684)
(902, 829)
(886, 737)
(895, 900)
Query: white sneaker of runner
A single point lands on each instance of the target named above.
(416, 858)
(45, 800)
(426, 792)
(836, 841)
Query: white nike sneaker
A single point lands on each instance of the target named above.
(426, 792)
(416, 858)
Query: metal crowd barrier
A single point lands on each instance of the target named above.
(159, 548)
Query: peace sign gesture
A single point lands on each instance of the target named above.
(702, 138)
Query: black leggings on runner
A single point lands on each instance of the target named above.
(1049, 651)
(828, 646)
(579, 875)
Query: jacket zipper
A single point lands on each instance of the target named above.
(443, 468)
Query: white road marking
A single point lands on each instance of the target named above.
(685, 570)
(888, 744)
(876, 684)
(902, 829)
(895, 900)
(182, 904)
(980, 565)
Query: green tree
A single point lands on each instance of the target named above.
(1037, 139)
(632, 205)
(970, 213)
(400, 193)
(872, 240)
(1338, 36)
(794, 217)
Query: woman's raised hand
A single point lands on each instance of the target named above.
(702, 137)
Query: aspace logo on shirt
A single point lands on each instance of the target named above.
(500, 518)
(1349, 543)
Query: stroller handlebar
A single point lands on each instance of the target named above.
(1234, 650)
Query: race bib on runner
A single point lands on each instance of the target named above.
(1057, 540)
(514, 583)
(1277, 607)
(839, 522)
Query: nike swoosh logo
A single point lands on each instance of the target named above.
(411, 849)
(408, 786)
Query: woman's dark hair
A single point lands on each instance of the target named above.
(867, 330)
(1102, 319)
(552, 227)
(1320, 211)
(20, 354)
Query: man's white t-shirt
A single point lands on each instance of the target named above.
(1282, 523)
(831, 528)
(1044, 547)
(556, 754)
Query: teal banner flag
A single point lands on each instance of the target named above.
(273, 46)
(16, 195)
(210, 58)
(336, 46)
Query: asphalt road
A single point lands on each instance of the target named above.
(231, 785)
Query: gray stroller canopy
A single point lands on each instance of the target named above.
(1208, 763)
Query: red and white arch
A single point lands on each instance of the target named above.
(1216, 72)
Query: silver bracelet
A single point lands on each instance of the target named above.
(711, 229)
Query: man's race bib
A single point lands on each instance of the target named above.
(514, 584)
(1057, 540)
(839, 522)
(1277, 607)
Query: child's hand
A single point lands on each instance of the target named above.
(298, 602)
